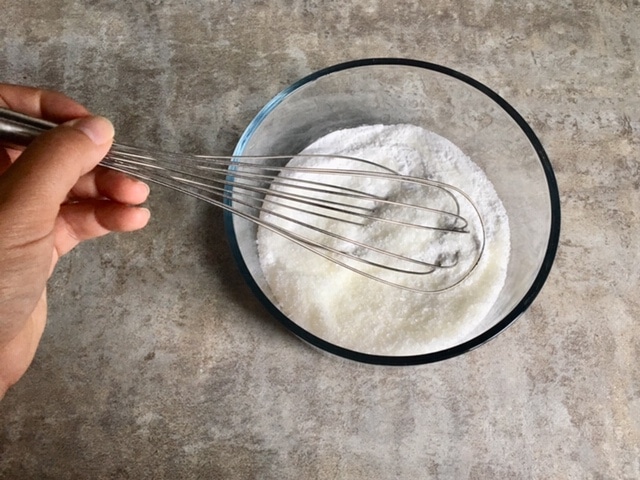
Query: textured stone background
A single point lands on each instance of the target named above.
(157, 363)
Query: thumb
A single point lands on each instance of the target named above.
(39, 180)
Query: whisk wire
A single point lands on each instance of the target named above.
(299, 197)
(125, 158)
(259, 191)
(316, 247)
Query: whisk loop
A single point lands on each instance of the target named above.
(316, 207)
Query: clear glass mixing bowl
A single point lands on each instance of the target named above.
(453, 105)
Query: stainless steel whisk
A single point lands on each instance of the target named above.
(284, 199)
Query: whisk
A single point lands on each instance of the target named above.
(317, 200)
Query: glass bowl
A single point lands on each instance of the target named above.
(444, 101)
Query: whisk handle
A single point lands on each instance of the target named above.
(19, 130)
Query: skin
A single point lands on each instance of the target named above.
(52, 197)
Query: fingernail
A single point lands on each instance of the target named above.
(146, 187)
(98, 129)
(146, 211)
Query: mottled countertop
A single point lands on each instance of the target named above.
(158, 363)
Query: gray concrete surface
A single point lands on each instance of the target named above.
(157, 363)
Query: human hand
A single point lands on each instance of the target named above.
(52, 198)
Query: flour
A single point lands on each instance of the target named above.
(361, 314)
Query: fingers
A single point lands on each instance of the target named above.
(38, 182)
(53, 187)
(46, 104)
(82, 221)
(53, 106)
(105, 183)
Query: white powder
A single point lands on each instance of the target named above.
(361, 314)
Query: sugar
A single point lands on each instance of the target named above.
(361, 314)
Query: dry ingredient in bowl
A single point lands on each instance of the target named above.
(360, 314)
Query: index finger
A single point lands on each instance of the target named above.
(47, 104)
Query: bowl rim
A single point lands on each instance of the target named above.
(471, 344)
